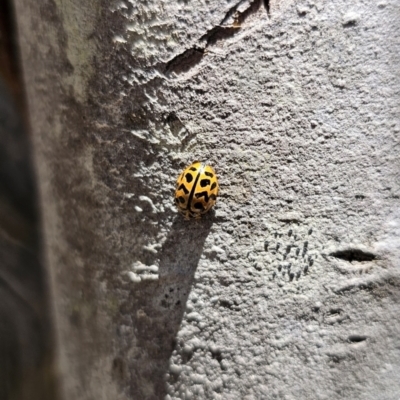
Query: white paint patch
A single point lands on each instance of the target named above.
(134, 277)
(149, 201)
(119, 39)
(152, 248)
(351, 17)
(142, 272)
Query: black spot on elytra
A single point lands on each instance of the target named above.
(189, 177)
(181, 199)
(203, 194)
(210, 174)
(183, 187)
(214, 185)
(204, 182)
(198, 206)
(193, 169)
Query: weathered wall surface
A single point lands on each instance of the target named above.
(291, 289)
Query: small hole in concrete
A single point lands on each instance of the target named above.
(357, 338)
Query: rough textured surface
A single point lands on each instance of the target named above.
(291, 289)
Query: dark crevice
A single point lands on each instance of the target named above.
(189, 58)
(349, 24)
(225, 303)
(357, 338)
(289, 218)
(185, 61)
(216, 355)
(219, 33)
(351, 255)
(334, 311)
(232, 12)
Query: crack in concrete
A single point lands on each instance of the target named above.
(189, 58)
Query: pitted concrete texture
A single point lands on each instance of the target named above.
(290, 290)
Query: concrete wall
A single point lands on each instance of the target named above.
(291, 289)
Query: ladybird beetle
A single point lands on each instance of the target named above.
(196, 190)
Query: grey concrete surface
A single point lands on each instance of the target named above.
(290, 290)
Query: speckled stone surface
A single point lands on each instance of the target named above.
(291, 289)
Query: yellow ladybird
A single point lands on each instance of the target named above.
(196, 190)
